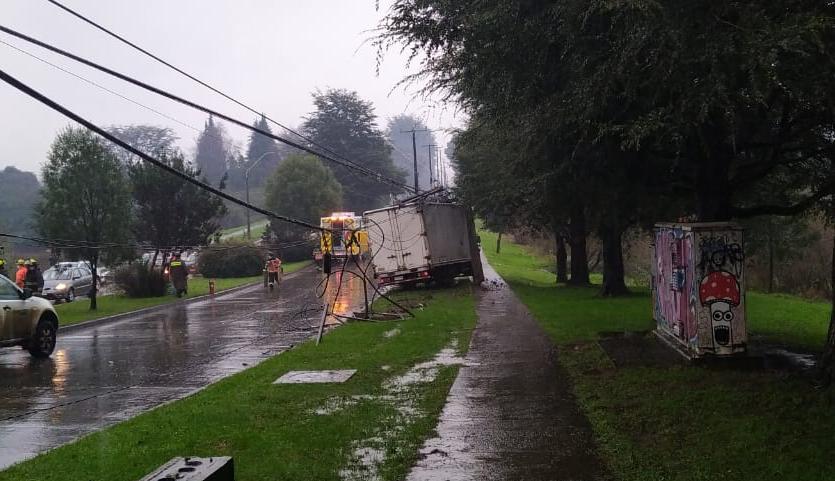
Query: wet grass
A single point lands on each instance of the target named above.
(680, 422)
(271, 430)
(79, 311)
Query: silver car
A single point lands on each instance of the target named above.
(66, 281)
(26, 321)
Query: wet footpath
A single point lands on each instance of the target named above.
(510, 414)
(109, 372)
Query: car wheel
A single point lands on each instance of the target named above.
(43, 342)
(71, 295)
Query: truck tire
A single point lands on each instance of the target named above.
(43, 341)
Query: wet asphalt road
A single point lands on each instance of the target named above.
(102, 374)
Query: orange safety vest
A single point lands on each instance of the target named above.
(20, 276)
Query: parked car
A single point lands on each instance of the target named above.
(66, 281)
(26, 321)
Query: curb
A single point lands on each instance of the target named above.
(162, 307)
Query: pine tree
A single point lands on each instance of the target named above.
(211, 152)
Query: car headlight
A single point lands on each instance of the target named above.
(61, 287)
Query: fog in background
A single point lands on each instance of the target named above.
(268, 54)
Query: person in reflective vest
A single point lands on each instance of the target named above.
(20, 275)
(178, 273)
(273, 269)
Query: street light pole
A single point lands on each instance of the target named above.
(246, 182)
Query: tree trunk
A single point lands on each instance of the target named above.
(577, 241)
(713, 189)
(154, 260)
(614, 283)
(499, 243)
(770, 260)
(562, 259)
(94, 262)
(825, 364)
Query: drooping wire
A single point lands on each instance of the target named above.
(162, 165)
(365, 171)
(195, 79)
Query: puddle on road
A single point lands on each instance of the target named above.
(400, 393)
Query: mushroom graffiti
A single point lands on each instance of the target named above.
(720, 292)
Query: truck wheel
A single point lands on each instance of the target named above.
(71, 295)
(43, 341)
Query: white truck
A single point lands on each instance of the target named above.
(421, 242)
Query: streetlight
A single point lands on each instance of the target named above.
(246, 181)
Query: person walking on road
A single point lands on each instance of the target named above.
(178, 273)
(273, 271)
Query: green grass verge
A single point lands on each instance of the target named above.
(79, 311)
(272, 431)
(681, 422)
(256, 230)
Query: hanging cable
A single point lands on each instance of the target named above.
(107, 135)
(192, 77)
(365, 171)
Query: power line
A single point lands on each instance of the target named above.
(195, 79)
(107, 135)
(375, 175)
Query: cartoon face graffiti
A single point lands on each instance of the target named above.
(720, 292)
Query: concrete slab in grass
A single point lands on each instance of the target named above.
(315, 377)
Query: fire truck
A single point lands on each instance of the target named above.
(342, 236)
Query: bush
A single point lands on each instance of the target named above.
(232, 259)
(137, 280)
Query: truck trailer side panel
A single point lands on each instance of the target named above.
(446, 233)
(397, 239)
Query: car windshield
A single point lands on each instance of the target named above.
(54, 274)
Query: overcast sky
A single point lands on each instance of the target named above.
(270, 54)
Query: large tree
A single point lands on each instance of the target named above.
(172, 214)
(304, 188)
(263, 153)
(150, 139)
(212, 152)
(19, 192)
(402, 153)
(86, 197)
(347, 125)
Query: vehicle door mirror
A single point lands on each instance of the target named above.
(26, 294)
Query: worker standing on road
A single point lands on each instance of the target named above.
(179, 275)
(31, 279)
(273, 269)
(20, 275)
(35, 276)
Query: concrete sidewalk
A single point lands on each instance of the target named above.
(510, 414)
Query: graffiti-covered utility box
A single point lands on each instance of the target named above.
(698, 287)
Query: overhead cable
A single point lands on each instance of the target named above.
(192, 77)
(365, 171)
(112, 138)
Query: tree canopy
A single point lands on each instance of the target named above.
(85, 197)
(346, 124)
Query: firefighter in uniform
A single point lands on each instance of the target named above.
(178, 273)
(273, 271)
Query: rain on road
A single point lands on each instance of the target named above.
(102, 374)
